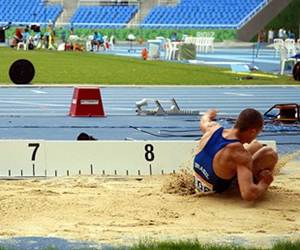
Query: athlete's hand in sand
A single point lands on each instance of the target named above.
(266, 176)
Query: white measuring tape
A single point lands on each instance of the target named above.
(62, 158)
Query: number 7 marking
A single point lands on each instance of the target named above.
(36, 146)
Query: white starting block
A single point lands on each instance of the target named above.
(160, 110)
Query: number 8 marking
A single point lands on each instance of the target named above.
(149, 155)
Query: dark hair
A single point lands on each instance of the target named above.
(85, 137)
(248, 119)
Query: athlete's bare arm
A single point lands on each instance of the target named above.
(207, 121)
(249, 190)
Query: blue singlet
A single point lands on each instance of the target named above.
(206, 179)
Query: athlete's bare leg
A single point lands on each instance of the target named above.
(253, 147)
(264, 159)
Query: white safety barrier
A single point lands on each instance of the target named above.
(62, 158)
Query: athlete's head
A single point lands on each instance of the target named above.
(249, 124)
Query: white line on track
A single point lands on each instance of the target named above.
(240, 58)
(124, 109)
(237, 94)
(34, 114)
(33, 103)
(38, 91)
(216, 63)
(41, 109)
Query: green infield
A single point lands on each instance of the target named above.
(196, 245)
(54, 67)
(185, 245)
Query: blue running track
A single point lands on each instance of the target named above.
(42, 112)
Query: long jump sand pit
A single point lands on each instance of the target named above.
(122, 211)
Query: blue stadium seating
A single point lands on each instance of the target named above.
(187, 14)
(103, 16)
(202, 14)
(28, 11)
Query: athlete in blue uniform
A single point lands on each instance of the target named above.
(203, 163)
(226, 154)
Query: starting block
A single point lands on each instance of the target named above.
(87, 102)
(160, 110)
(285, 112)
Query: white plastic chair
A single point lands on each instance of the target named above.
(284, 58)
(111, 42)
(61, 47)
(22, 44)
(298, 44)
(171, 50)
(199, 42)
(209, 44)
(162, 42)
(212, 44)
(168, 49)
(88, 43)
(37, 39)
(290, 46)
(278, 43)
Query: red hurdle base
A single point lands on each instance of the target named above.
(87, 102)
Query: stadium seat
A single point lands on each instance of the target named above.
(28, 11)
(103, 16)
(205, 13)
(284, 58)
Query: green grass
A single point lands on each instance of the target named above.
(87, 68)
(183, 245)
(196, 245)
(189, 245)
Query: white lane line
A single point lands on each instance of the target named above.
(124, 109)
(12, 111)
(34, 104)
(239, 58)
(215, 63)
(237, 94)
(225, 102)
(34, 114)
(38, 91)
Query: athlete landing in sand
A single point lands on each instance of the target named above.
(225, 154)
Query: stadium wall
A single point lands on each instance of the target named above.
(69, 7)
(259, 21)
(144, 8)
(289, 19)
